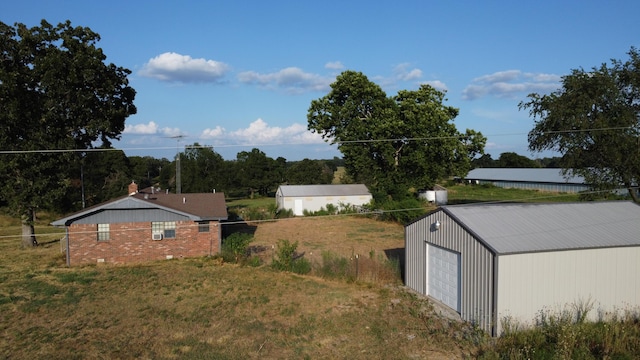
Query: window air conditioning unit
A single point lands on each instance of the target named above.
(156, 236)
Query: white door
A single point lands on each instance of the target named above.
(297, 207)
(443, 276)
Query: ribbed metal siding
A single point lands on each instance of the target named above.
(118, 216)
(550, 187)
(476, 265)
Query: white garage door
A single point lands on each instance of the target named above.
(443, 276)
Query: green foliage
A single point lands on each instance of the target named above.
(57, 93)
(287, 259)
(567, 334)
(513, 160)
(258, 173)
(234, 247)
(393, 143)
(202, 170)
(594, 122)
(335, 267)
(402, 211)
(308, 172)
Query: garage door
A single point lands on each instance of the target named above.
(443, 277)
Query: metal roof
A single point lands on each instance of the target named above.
(324, 190)
(540, 175)
(518, 228)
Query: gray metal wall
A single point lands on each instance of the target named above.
(551, 187)
(531, 283)
(476, 265)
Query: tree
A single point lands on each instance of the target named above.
(257, 172)
(484, 161)
(58, 97)
(145, 170)
(513, 160)
(202, 169)
(395, 143)
(307, 172)
(594, 122)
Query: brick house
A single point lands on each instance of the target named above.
(144, 226)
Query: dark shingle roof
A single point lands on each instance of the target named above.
(196, 206)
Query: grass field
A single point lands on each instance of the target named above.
(203, 309)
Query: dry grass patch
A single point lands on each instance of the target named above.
(199, 308)
(342, 235)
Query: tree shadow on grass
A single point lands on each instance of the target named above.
(397, 254)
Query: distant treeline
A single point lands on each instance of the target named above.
(513, 160)
(103, 175)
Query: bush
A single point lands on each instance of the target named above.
(234, 247)
(287, 259)
(402, 211)
(335, 267)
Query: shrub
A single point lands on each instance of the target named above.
(335, 267)
(287, 259)
(234, 247)
(402, 211)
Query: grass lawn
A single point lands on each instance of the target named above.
(203, 309)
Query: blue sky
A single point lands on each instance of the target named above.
(242, 74)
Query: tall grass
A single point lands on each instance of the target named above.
(374, 269)
(568, 334)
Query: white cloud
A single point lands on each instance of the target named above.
(291, 79)
(260, 133)
(141, 129)
(403, 72)
(216, 132)
(334, 65)
(437, 84)
(173, 67)
(510, 83)
(169, 132)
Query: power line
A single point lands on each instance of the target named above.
(44, 151)
(370, 213)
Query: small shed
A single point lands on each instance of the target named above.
(544, 179)
(511, 261)
(312, 198)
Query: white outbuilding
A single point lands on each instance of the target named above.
(496, 262)
(312, 198)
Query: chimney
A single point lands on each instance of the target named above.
(133, 188)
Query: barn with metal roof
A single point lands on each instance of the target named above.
(511, 261)
(311, 198)
(545, 179)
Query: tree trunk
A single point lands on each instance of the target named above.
(28, 230)
(634, 194)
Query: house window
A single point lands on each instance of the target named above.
(203, 227)
(166, 228)
(103, 232)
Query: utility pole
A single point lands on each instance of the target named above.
(178, 180)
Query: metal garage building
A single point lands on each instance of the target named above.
(315, 197)
(544, 179)
(489, 262)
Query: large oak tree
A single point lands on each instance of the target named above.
(394, 143)
(594, 122)
(58, 97)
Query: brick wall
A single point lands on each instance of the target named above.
(132, 243)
